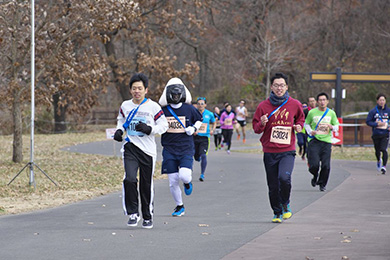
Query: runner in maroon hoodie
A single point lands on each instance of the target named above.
(277, 118)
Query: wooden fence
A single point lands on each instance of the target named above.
(359, 134)
(104, 117)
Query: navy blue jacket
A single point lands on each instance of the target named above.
(179, 142)
(373, 117)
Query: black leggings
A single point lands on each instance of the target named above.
(217, 140)
(227, 137)
(380, 143)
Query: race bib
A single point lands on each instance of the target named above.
(131, 129)
(217, 131)
(203, 128)
(383, 126)
(174, 125)
(281, 134)
(228, 121)
(323, 129)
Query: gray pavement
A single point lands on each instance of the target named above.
(352, 221)
(227, 217)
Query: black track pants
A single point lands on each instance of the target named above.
(134, 159)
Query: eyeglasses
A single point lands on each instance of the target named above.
(304, 106)
(279, 85)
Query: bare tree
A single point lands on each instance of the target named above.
(145, 48)
(14, 51)
(60, 64)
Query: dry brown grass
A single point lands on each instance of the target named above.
(79, 176)
(341, 153)
(354, 153)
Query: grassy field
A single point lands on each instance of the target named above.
(79, 176)
(341, 153)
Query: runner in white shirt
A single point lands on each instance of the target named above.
(241, 115)
(141, 118)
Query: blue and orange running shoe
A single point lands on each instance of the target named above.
(179, 211)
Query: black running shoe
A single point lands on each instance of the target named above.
(314, 181)
(133, 220)
(147, 223)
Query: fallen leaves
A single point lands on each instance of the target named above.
(202, 226)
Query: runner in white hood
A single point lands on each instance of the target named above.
(178, 144)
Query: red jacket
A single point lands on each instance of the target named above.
(278, 134)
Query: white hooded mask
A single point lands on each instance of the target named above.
(175, 86)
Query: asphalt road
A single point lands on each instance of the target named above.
(225, 212)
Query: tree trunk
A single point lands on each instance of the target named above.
(268, 68)
(123, 88)
(203, 71)
(59, 115)
(17, 145)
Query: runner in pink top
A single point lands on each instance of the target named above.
(227, 120)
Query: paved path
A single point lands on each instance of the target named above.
(350, 221)
(227, 217)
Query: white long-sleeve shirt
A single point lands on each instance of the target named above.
(149, 113)
(309, 130)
